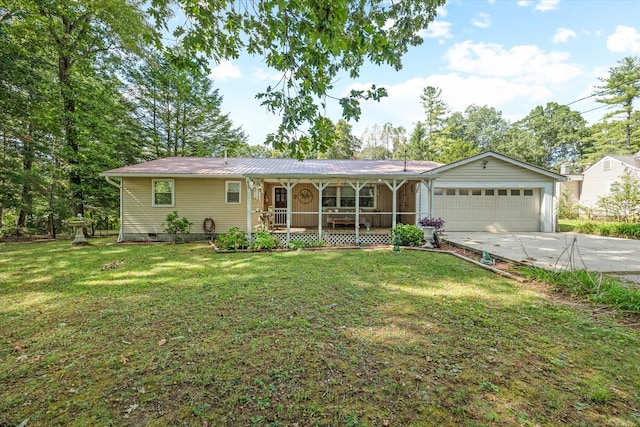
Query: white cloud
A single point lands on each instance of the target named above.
(542, 6)
(563, 35)
(403, 106)
(437, 30)
(625, 39)
(546, 5)
(225, 71)
(525, 63)
(483, 20)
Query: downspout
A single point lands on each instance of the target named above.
(119, 187)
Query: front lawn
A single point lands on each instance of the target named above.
(176, 334)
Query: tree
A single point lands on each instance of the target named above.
(558, 135)
(435, 110)
(78, 33)
(380, 142)
(181, 111)
(620, 89)
(345, 145)
(485, 128)
(417, 145)
(310, 42)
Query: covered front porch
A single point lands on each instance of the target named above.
(337, 210)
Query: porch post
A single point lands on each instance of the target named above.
(289, 186)
(393, 207)
(394, 188)
(249, 203)
(357, 187)
(320, 187)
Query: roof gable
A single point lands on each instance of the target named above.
(493, 154)
(629, 160)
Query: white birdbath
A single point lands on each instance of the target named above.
(78, 225)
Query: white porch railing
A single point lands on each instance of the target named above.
(280, 216)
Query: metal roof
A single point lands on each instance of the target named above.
(234, 167)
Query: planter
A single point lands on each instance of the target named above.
(428, 235)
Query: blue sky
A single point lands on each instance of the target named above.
(508, 54)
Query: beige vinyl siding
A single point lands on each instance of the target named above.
(496, 170)
(194, 198)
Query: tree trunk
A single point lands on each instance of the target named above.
(70, 134)
(26, 197)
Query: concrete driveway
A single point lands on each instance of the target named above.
(558, 250)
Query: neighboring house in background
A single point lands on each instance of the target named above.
(332, 200)
(600, 178)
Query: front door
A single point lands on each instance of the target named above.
(280, 205)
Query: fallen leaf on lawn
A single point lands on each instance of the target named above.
(162, 342)
(130, 410)
(124, 360)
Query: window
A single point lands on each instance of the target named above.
(614, 186)
(232, 190)
(450, 192)
(528, 192)
(345, 197)
(463, 192)
(489, 192)
(330, 197)
(606, 165)
(437, 191)
(515, 192)
(502, 192)
(476, 192)
(367, 197)
(162, 192)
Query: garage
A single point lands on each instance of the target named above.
(494, 193)
(488, 209)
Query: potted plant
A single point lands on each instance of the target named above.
(430, 226)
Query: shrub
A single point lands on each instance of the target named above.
(263, 240)
(297, 244)
(409, 235)
(233, 240)
(567, 206)
(438, 223)
(176, 225)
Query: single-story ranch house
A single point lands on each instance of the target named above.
(338, 201)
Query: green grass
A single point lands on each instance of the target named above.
(603, 228)
(597, 288)
(177, 334)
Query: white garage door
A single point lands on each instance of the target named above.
(490, 209)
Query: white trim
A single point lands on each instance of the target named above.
(226, 192)
(153, 193)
